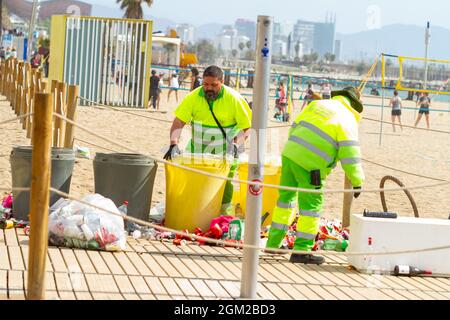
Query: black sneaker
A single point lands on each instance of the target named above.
(306, 259)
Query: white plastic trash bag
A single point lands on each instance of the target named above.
(76, 225)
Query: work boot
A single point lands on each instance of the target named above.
(306, 259)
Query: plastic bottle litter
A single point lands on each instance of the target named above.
(130, 226)
(137, 234)
(6, 224)
(238, 211)
(236, 230)
(403, 270)
(335, 245)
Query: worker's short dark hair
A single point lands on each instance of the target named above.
(213, 71)
(153, 72)
(395, 92)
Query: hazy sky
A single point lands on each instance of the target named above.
(352, 15)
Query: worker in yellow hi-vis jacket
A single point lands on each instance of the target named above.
(325, 132)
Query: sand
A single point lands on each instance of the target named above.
(422, 152)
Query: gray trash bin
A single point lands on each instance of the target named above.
(126, 177)
(63, 161)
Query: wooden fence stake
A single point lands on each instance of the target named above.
(347, 206)
(40, 196)
(71, 112)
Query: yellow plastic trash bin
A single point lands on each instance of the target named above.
(272, 175)
(193, 199)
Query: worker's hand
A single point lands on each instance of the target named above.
(173, 151)
(356, 194)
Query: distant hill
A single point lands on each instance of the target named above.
(23, 9)
(397, 39)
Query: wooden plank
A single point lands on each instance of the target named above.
(436, 281)
(264, 293)
(407, 294)
(393, 294)
(102, 286)
(322, 291)
(4, 258)
(265, 271)
(125, 287)
(141, 288)
(213, 263)
(178, 264)
(436, 295)
(339, 275)
(139, 264)
(153, 265)
(294, 293)
(302, 271)
(316, 272)
(372, 293)
(171, 286)
(16, 285)
(125, 263)
(208, 269)
(11, 238)
(307, 292)
(15, 258)
(217, 289)
(57, 259)
(50, 286)
(64, 286)
(155, 286)
(416, 284)
(227, 264)
(2, 238)
(191, 262)
(84, 261)
(166, 265)
(232, 287)
(79, 285)
(3, 284)
(337, 293)
(277, 291)
(202, 288)
(112, 263)
(98, 262)
(352, 293)
(186, 287)
(48, 263)
(421, 294)
(281, 267)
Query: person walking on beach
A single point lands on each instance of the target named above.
(424, 103)
(154, 90)
(281, 103)
(325, 132)
(326, 90)
(396, 104)
(174, 86)
(220, 119)
(196, 80)
(308, 97)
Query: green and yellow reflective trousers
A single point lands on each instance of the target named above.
(325, 132)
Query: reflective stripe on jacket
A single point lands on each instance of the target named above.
(326, 132)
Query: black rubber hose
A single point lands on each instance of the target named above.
(408, 194)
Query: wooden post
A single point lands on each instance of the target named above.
(44, 86)
(33, 90)
(40, 196)
(19, 88)
(347, 207)
(14, 84)
(59, 128)
(2, 77)
(71, 112)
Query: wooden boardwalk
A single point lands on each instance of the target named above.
(160, 270)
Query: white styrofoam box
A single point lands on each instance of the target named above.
(399, 234)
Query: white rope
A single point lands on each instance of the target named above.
(225, 243)
(124, 111)
(377, 190)
(407, 126)
(16, 118)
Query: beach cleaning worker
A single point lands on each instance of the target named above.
(220, 118)
(325, 132)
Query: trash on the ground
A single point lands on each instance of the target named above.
(82, 152)
(157, 213)
(223, 222)
(6, 207)
(76, 225)
(236, 230)
(331, 236)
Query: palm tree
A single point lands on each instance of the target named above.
(133, 8)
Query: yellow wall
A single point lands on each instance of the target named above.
(57, 48)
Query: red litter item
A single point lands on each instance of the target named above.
(179, 242)
(216, 231)
(198, 231)
(26, 230)
(223, 222)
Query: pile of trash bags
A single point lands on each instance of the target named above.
(76, 225)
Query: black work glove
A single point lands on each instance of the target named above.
(356, 194)
(173, 151)
(233, 150)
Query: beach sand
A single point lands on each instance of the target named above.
(422, 152)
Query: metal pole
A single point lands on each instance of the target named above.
(382, 97)
(427, 43)
(33, 19)
(257, 154)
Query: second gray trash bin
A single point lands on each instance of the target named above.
(126, 177)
